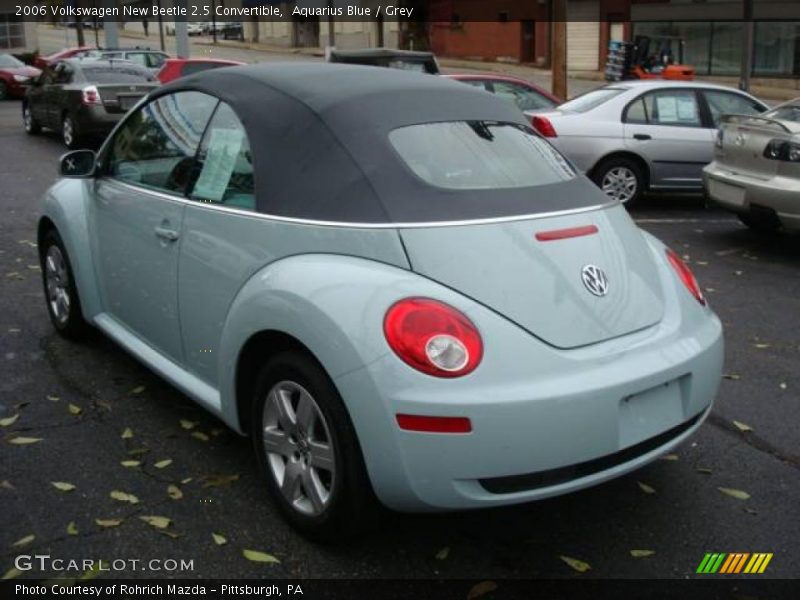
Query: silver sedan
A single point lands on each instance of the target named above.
(756, 168)
(635, 136)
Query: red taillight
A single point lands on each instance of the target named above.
(91, 96)
(433, 337)
(563, 234)
(544, 126)
(686, 276)
(434, 424)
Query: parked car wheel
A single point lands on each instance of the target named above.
(762, 222)
(307, 449)
(32, 126)
(69, 133)
(620, 178)
(3, 90)
(63, 303)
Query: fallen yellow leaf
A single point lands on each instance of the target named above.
(23, 541)
(642, 553)
(186, 424)
(157, 522)
(199, 435)
(443, 553)
(22, 440)
(481, 589)
(108, 522)
(124, 497)
(257, 556)
(703, 470)
(137, 390)
(734, 493)
(72, 528)
(743, 427)
(646, 488)
(219, 480)
(9, 420)
(219, 539)
(53, 398)
(578, 565)
(162, 464)
(174, 492)
(130, 463)
(74, 409)
(670, 457)
(63, 486)
(127, 434)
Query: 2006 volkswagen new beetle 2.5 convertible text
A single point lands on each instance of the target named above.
(389, 281)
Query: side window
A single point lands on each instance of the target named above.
(140, 58)
(156, 145)
(191, 68)
(636, 112)
(677, 108)
(226, 163)
(155, 60)
(476, 83)
(726, 103)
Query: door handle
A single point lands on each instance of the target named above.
(165, 233)
(642, 136)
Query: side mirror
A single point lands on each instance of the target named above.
(78, 163)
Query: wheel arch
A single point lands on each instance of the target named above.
(627, 154)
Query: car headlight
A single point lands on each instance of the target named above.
(21, 78)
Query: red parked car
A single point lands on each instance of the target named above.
(15, 76)
(181, 67)
(523, 93)
(78, 52)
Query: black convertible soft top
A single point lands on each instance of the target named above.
(319, 134)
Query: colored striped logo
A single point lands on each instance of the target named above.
(734, 562)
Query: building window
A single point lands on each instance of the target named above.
(12, 32)
(777, 49)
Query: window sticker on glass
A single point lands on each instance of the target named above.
(223, 150)
(687, 109)
(667, 109)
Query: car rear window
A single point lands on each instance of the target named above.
(590, 100)
(472, 155)
(116, 75)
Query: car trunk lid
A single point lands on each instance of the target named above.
(744, 140)
(532, 272)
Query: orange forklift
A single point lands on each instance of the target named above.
(648, 58)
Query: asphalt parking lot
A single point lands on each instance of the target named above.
(91, 407)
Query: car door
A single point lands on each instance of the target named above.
(59, 94)
(723, 102)
(138, 211)
(37, 96)
(666, 128)
(51, 96)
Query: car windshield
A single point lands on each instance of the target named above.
(116, 75)
(590, 100)
(787, 112)
(473, 155)
(10, 62)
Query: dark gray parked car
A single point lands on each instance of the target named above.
(84, 98)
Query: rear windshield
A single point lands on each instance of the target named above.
(116, 75)
(590, 100)
(787, 112)
(473, 155)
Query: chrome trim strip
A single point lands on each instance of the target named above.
(342, 224)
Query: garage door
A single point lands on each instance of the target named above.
(583, 35)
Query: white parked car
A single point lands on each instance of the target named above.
(635, 136)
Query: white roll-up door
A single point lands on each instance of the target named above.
(583, 35)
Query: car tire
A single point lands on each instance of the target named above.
(3, 91)
(32, 126)
(621, 179)
(766, 222)
(60, 292)
(328, 497)
(70, 134)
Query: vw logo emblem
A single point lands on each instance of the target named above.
(595, 280)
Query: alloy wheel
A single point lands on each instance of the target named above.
(299, 448)
(620, 183)
(57, 284)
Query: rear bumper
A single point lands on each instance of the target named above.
(739, 193)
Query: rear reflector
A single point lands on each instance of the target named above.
(434, 424)
(562, 234)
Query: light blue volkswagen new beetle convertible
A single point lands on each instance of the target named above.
(389, 281)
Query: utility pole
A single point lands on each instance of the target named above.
(214, 20)
(558, 47)
(747, 50)
(331, 26)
